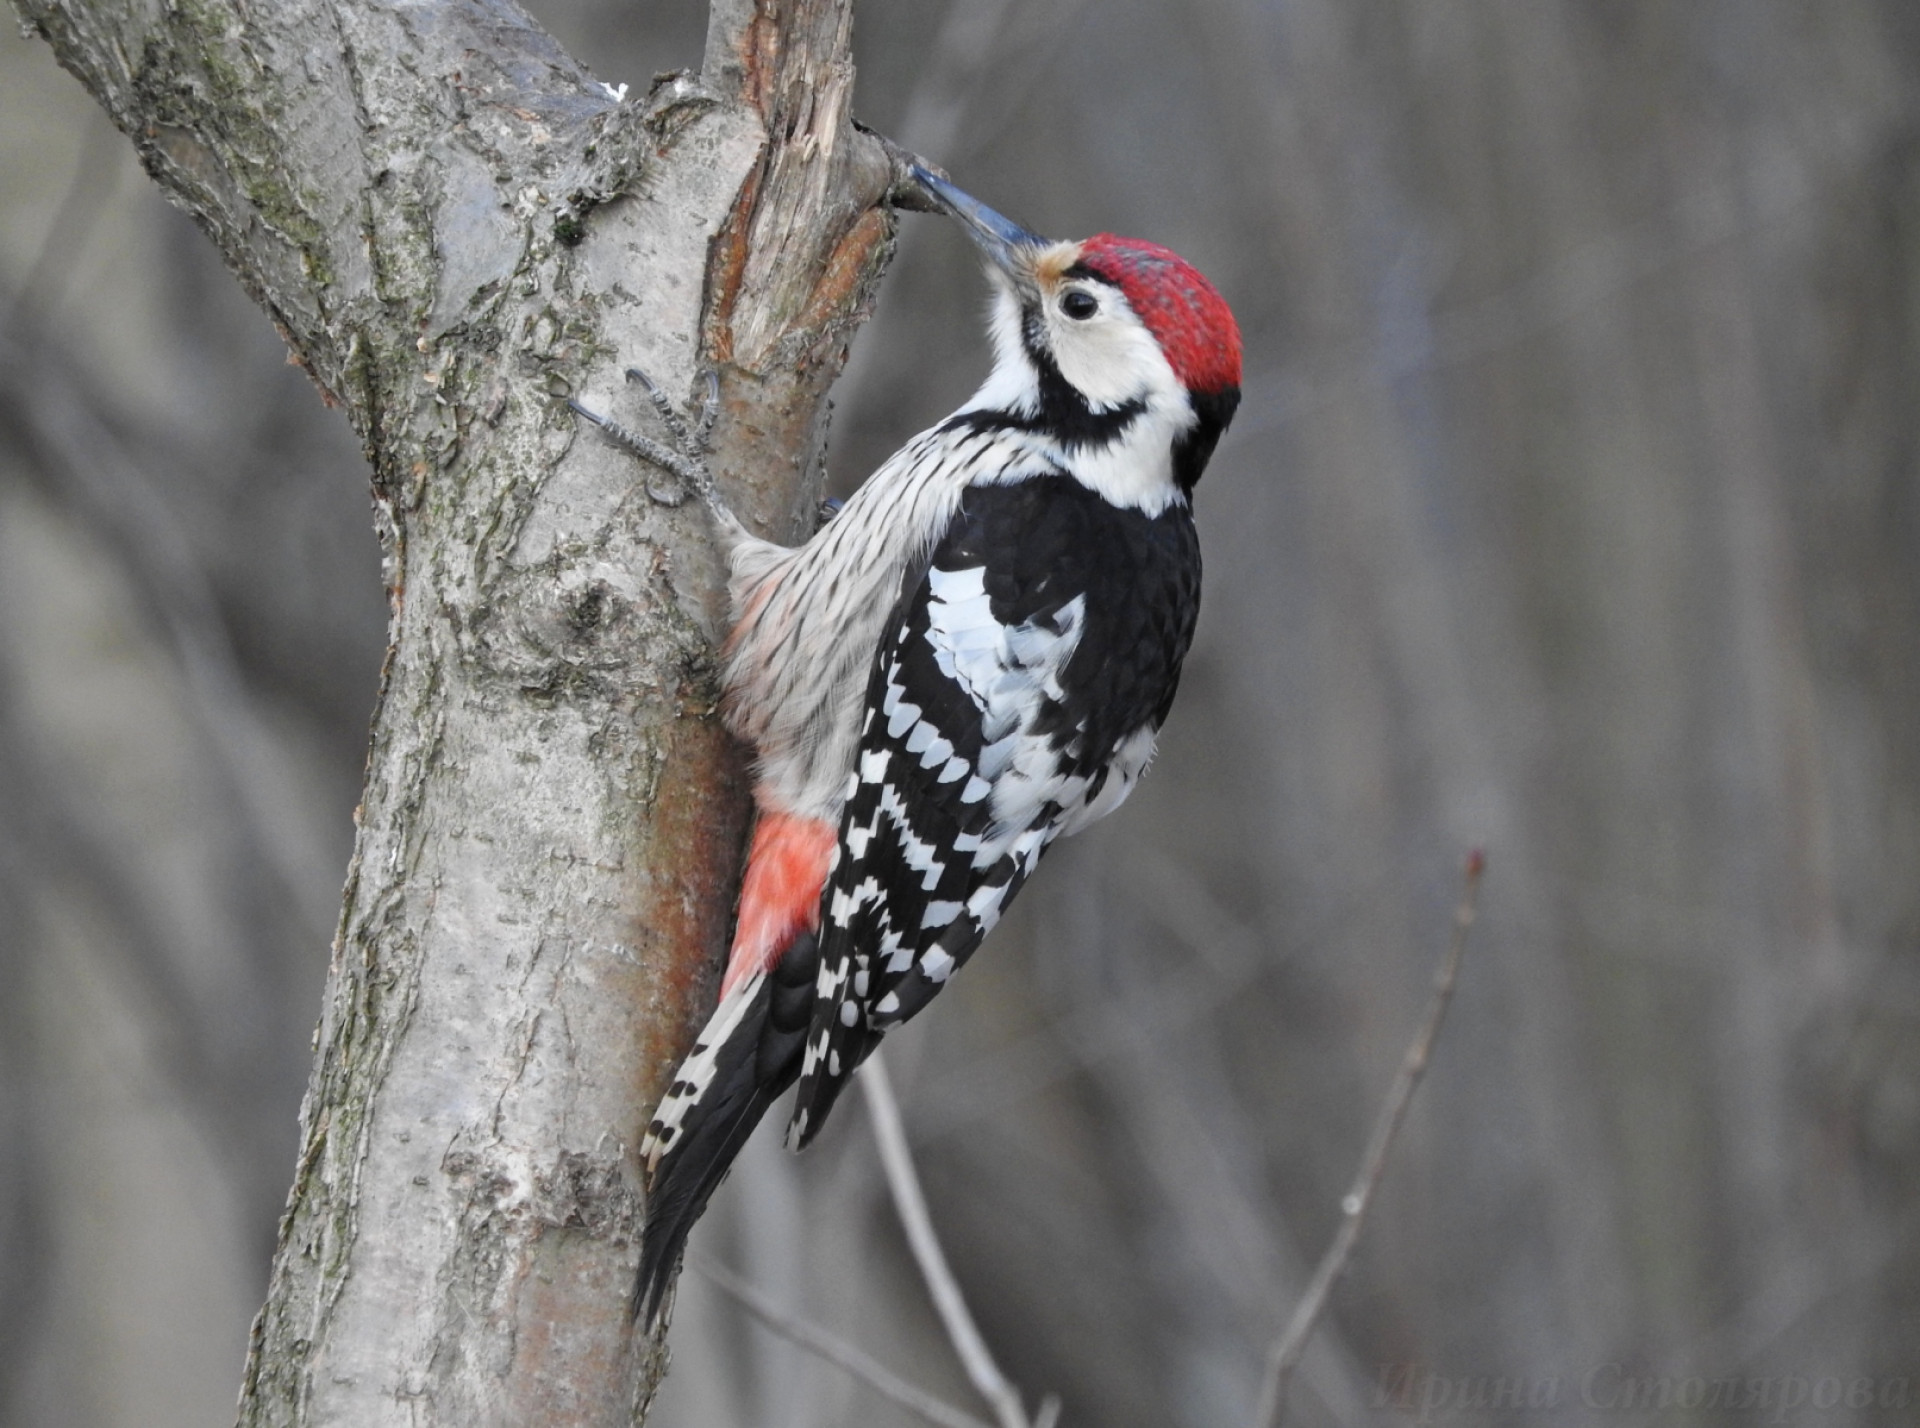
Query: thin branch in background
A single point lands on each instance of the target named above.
(911, 1204)
(1088, 1034)
(118, 494)
(29, 1253)
(836, 1351)
(962, 50)
(1288, 1349)
(97, 169)
(52, 834)
(1196, 1138)
(982, 70)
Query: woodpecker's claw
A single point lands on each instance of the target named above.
(686, 458)
(709, 412)
(647, 449)
(695, 439)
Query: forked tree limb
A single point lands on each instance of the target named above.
(457, 229)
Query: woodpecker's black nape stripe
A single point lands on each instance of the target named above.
(1194, 449)
(1064, 415)
(755, 1067)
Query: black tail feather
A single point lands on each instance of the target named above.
(759, 1061)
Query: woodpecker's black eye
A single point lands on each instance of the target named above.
(1079, 306)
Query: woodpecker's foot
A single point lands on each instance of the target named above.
(686, 458)
(693, 440)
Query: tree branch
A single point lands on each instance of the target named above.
(903, 1181)
(837, 1352)
(457, 230)
(1291, 1346)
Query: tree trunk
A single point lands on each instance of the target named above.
(456, 229)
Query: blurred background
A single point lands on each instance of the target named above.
(1573, 510)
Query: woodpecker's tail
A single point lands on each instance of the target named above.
(749, 1051)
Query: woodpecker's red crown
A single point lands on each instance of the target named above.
(1184, 312)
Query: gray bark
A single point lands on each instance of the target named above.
(455, 230)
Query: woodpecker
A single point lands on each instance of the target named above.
(973, 657)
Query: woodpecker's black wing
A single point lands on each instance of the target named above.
(1015, 695)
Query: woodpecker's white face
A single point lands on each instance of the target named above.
(1113, 350)
(1079, 331)
(1096, 340)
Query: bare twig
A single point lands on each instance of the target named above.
(96, 174)
(911, 1204)
(834, 1350)
(117, 493)
(1288, 1349)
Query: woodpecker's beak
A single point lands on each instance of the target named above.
(1008, 246)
